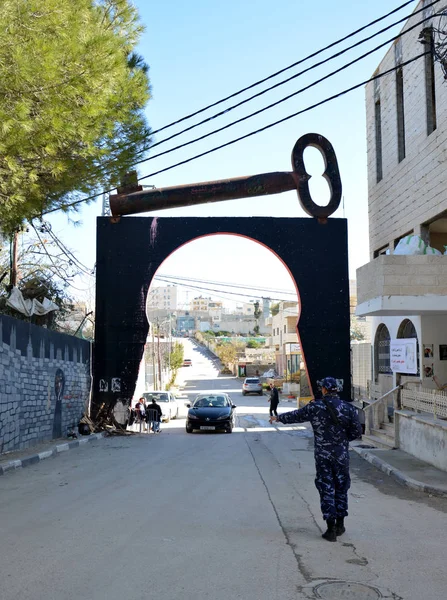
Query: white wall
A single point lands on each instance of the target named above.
(393, 324)
(434, 331)
(423, 437)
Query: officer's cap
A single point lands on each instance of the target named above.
(330, 383)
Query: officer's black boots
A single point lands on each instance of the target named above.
(330, 535)
(340, 526)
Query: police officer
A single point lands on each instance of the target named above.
(335, 423)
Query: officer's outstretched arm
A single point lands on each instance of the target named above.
(296, 416)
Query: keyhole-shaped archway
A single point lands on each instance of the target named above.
(130, 250)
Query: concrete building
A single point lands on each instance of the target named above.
(407, 134)
(162, 298)
(284, 339)
(406, 295)
(201, 304)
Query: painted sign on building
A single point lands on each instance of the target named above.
(403, 356)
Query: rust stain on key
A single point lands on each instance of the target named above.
(134, 200)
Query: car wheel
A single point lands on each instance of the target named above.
(230, 429)
(244, 393)
(188, 430)
(261, 393)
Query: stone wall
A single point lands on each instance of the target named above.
(44, 383)
(402, 276)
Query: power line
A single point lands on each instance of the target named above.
(276, 85)
(313, 55)
(224, 283)
(231, 142)
(284, 99)
(211, 290)
(67, 253)
(284, 119)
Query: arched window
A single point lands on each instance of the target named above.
(408, 331)
(382, 351)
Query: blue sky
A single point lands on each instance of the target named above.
(199, 52)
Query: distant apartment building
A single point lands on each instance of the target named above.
(406, 295)
(201, 304)
(162, 298)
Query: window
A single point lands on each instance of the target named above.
(382, 351)
(426, 37)
(400, 114)
(381, 251)
(378, 132)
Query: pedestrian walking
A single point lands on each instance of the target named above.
(140, 410)
(335, 423)
(153, 416)
(274, 400)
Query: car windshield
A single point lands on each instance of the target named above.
(211, 402)
(158, 397)
(252, 380)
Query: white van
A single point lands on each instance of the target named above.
(166, 401)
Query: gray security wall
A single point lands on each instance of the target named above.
(44, 383)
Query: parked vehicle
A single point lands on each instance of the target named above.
(187, 362)
(167, 402)
(252, 385)
(211, 413)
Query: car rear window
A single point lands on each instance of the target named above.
(252, 380)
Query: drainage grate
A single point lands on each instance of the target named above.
(342, 590)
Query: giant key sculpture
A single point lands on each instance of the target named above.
(130, 250)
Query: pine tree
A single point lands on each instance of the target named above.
(72, 94)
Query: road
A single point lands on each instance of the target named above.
(211, 516)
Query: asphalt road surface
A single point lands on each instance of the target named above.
(211, 516)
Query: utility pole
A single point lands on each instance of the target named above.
(158, 353)
(13, 259)
(154, 370)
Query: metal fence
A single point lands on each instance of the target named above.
(425, 400)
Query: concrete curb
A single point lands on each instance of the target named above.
(54, 451)
(399, 476)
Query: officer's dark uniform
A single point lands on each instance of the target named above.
(331, 447)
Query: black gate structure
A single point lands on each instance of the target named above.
(130, 250)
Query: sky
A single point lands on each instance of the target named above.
(199, 52)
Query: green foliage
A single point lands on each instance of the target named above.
(274, 309)
(176, 361)
(72, 94)
(257, 312)
(253, 344)
(357, 333)
(227, 354)
(177, 356)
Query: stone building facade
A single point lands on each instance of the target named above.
(407, 195)
(45, 383)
